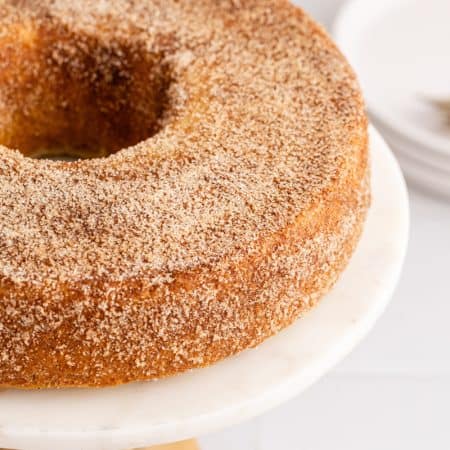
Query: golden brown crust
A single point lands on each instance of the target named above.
(219, 230)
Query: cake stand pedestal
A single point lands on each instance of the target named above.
(183, 445)
(201, 401)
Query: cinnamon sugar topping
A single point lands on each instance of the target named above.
(229, 192)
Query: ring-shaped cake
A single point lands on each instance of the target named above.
(220, 187)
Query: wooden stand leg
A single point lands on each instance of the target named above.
(184, 445)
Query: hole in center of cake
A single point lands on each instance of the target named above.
(66, 96)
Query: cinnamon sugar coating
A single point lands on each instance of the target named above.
(231, 189)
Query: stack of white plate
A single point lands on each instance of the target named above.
(400, 50)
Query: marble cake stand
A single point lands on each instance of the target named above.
(201, 401)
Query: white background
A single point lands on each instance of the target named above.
(393, 391)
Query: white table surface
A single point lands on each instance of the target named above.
(393, 391)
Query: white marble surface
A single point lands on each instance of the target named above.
(237, 388)
(393, 391)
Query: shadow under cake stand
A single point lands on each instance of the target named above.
(205, 400)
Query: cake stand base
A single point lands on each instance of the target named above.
(182, 445)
